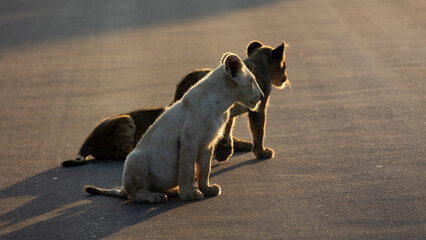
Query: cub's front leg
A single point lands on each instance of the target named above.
(204, 167)
(257, 127)
(186, 170)
(225, 147)
(229, 144)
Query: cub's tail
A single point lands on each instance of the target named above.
(74, 162)
(81, 156)
(121, 193)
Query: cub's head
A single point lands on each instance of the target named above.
(241, 81)
(275, 61)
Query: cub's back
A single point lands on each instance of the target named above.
(188, 81)
(165, 131)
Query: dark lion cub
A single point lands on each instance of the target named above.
(116, 136)
(269, 67)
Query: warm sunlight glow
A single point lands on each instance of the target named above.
(8, 227)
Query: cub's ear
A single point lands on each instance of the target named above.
(252, 46)
(278, 52)
(233, 63)
(225, 55)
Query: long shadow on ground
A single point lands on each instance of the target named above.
(57, 207)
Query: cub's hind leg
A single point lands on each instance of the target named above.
(87, 147)
(113, 138)
(124, 137)
(136, 179)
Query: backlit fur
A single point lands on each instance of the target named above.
(180, 143)
(268, 64)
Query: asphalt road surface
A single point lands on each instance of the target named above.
(349, 140)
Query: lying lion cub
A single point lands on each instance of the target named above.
(184, 136)
(115, 137)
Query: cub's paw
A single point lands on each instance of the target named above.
(212, 190)
(190, 194)
(266, 153)
(173, 192)
(223, 151)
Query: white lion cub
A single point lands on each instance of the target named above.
(180, 143)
